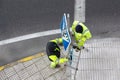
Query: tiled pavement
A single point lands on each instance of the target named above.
(101, 62)
(35, 69)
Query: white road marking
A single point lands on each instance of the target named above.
(30, 36)
(79, 15)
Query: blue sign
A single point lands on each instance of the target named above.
(64, 33)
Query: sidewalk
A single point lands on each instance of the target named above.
(101, 62)
(35, 67)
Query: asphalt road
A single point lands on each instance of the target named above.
(21, 17)
(102, 17)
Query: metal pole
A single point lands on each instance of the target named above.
(77, 65)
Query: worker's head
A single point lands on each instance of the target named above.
(79, 28)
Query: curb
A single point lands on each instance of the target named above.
(22, 60)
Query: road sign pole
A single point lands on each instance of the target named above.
(65, 33)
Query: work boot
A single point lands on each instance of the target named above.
(53, 65)
(63, 60)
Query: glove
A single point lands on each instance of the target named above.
(63, 60)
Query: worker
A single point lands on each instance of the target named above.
(81, 33)
(53, 52)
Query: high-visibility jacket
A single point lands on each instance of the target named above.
(52, 47)
(53, 50)
(54, 55)
(80, 38)
(57, 40)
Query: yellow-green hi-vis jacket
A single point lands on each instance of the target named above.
(57, 40)
(80, 38)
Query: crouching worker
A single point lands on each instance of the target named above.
(81, 34)
(53, 53)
